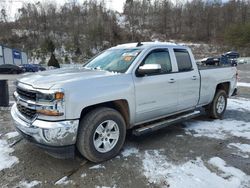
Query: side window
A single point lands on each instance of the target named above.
(161, 57)
(183, 60)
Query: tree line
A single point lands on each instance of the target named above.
(196, 20)
(80, 30)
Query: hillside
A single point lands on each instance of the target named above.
(78, 31)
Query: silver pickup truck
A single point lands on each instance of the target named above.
(140, 86)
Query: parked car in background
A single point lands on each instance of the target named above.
(211, 61)
(232, 55)
(10, 69)
(32, 67)
(226, 60)
(234, 62)
(41, 68)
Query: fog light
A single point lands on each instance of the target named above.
(51, 134)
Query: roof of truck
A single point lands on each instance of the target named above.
(147, 44)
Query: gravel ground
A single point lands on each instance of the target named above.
(197, 153)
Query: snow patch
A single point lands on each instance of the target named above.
(244, 148)
(179, 135)
(97, 167)
(6, 160)
(11, 134)
(222, 129)
(241, 155)
(243, 84)
(234, 176)
(63, 181)
(194, 173)
(219, 129)
(241, 104)
(130, 151)
(25, 184)
(83, 175)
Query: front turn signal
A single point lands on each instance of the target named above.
(59, 95)
(49, 112)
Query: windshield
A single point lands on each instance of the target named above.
(116, 60)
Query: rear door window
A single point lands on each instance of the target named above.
(183, 60)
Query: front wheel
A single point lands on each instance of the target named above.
(101, 134)
(218, 106)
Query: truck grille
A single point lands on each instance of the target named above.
(26, 112)
(26, 94)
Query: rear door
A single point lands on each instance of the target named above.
(157, 94)
(189, 80)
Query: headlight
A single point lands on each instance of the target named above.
(44, 96)
(52, 103)
(50, 96)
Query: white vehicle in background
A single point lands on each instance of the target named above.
(242, 61)
(140, 86)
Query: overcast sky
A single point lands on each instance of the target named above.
(13, 5)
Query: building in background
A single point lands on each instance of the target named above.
(12, 56)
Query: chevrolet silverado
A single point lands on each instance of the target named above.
(141, 86)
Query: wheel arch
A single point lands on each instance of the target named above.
(223, 86)
(120, 105)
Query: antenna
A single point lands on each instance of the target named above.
(139, 44)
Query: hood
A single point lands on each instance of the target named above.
(48, 79)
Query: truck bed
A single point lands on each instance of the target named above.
(203, 67)
(211, 76)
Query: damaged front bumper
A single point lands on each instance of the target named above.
(57, 136)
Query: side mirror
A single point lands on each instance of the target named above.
(148, 69)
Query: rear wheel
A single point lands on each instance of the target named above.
(218, 106)
(101, 134)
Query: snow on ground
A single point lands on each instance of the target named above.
(243, 84)
(83, 175)
(97, 167)
(25, 184)
(222, 129)
(129, 151)
(63, 181)
(242, 149)
(11, 134)
(158, 170)
(241, 104)
(219, 129)
(233, 175)
(6, 160)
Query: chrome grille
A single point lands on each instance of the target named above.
(26, 94)
(26, 112)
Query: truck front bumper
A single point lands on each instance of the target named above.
(52, 136)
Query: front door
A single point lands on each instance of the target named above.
(157, 94)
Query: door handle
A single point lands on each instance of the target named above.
(171, 80)
(194, 78)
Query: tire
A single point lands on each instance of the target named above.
(213, 109)
(88, 136)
